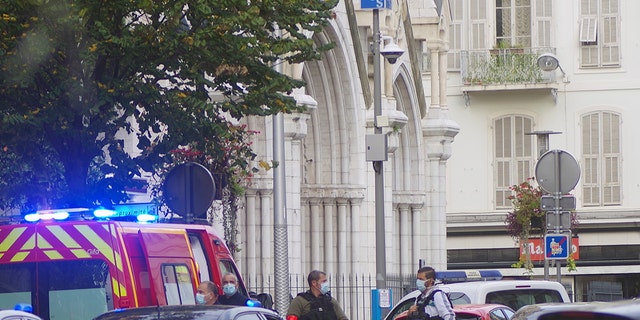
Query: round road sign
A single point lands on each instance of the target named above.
(189, 189)
(557, 171)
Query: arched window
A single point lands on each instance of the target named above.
(514, 155)
(602, 165)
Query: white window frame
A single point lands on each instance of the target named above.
(600, 33)
(601, 159)
(513, 156)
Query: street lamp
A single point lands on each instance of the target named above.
(391, 52)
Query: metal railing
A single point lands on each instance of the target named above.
(353, 291)
(504, 66)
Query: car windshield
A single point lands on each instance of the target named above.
(79, 289)
(519, 298)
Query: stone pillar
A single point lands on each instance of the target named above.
(343, 262)
(266, 231)
(405, 239)
(251, 231)
(329, 231)
(315, 221)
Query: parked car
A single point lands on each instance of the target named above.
(191, 312)
(534, 311)
(17, 315)
(512, 293)
(475, 312)
(618, 310)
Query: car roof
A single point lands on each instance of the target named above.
(13, 313)
(219, 312)
(479, 307)
(474, 288)
(624, 309)
(533, 311)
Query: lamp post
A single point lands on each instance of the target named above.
(381, 270)
(391, 52)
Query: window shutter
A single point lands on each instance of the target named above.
(478, 14)
(610, 41)
(542, 24)
(588, 29)
(601, 185)
(455, 34)
(513, 156)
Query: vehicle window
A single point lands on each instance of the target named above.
(227, 266)
(248, 316)
(200, 257)
(79, 289)
(459, 298)
(496, 314)
(178, 287)
(508, 313)
(402, 307)
(523, 297)
(15, 284)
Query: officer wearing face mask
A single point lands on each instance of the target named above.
(432, 303)
(207, 293)
(231, 295)
(316, 303)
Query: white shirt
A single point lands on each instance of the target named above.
(439, 306)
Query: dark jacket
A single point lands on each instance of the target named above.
(237, 299)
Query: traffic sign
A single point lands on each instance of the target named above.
(556, 246)
(567, 203)
(557, 171)
(564, 223)
(375, 4)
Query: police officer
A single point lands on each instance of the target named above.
(316, 303)
(432, 303)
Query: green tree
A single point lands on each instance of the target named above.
(77, 76)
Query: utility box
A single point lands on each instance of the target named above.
(376, 147)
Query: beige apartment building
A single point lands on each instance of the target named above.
(459, 106)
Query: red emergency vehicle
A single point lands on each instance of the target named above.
(79, 264)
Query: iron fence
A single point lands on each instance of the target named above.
(353, 291)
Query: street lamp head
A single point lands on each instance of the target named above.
(548, 62)
(391, 52)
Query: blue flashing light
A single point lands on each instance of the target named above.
(103, 213)
(146, 217)
(23, 307)
(468, 275)
(47, 215)
(253, 303)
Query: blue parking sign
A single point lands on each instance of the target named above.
(375, 4)
(556, 246)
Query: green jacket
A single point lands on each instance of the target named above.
(299, 306)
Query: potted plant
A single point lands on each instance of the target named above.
(527, 220)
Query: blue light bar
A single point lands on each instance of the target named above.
(253, 303)
(468, 275)
(145, 217)
(47, 215)
(103, 213)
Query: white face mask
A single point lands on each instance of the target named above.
(324, 288)
(420, 285)
(229, 289)
(200, 298)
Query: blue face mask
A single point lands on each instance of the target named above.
(324, 288)
(229, 289)
(420, 285)
(200, 298)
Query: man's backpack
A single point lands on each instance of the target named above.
(321, 307)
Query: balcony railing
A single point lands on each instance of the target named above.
(509, 68)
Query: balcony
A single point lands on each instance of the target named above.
(505, 69)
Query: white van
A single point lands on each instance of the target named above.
(512, 293)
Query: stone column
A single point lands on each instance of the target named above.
(266, 228)
(329, 231)
(315, 221)
(250, 231)
(405, 239)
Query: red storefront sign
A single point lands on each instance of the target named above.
(536, 247)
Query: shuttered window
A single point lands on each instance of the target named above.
(601, 182)
(599, 33)
(455, 34)
(542, 23)
(514, 155)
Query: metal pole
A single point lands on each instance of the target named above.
(556, 212)
(280, 247)
(381, 272)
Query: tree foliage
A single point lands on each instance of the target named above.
(77, 77)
